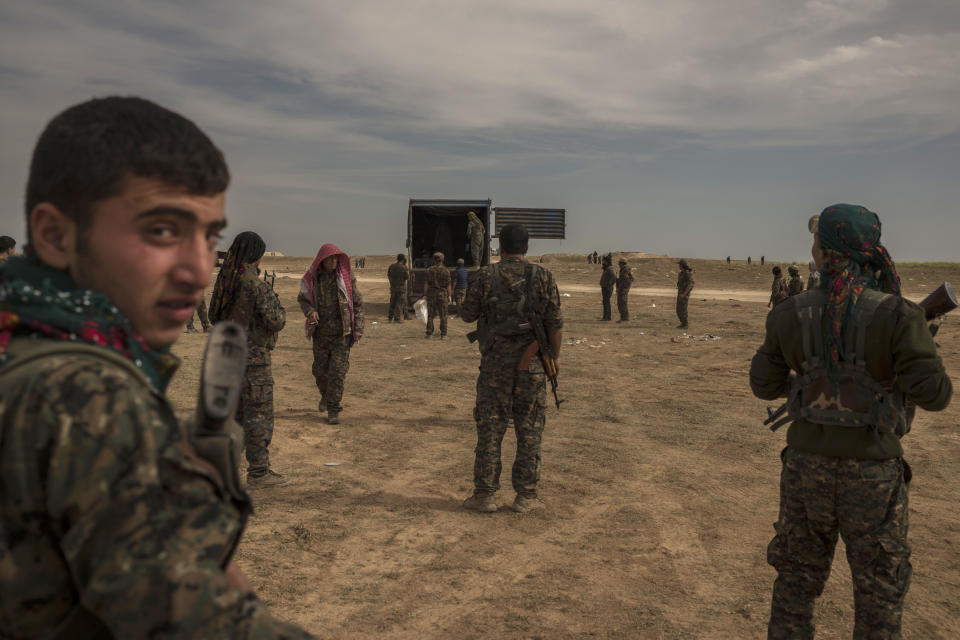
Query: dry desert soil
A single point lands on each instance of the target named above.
(660, 482)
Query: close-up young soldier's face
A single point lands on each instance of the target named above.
(151, 249)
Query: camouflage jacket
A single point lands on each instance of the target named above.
(608, 278)
(438, 278)
(684, 280)
(258, 310)
(397, 274)
(795, 285)
(507, 351)
(779, 291)
(899, 353)
(624, 280)
(330, 303)
(110, 525)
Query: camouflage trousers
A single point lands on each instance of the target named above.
(607, 293)
(331, 361)
(504, 395)
(622, 307)
(255, 415)
(200, 311)
(476, 251)
(682, 309)
(865, 501)
(398, 305)
(437, 307)
(458, 296)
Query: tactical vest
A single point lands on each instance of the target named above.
(505, 308)
(856, 399)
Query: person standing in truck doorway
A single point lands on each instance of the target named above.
(475, 234)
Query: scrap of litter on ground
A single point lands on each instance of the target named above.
(706, 337)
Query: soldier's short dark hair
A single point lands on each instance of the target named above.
(85, 153)
(7, 243)
(401, 257)
(514, 238)
(777, 271)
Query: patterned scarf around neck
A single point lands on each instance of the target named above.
(40, 300)
(850, 237)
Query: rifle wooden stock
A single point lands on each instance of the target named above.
(941, 301)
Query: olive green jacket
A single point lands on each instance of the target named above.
(900, 354)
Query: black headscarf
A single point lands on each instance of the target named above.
(246, 249)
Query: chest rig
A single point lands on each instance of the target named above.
(854, 398)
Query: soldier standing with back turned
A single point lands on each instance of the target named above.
(624, 281)
(853, 357)
(498, 298)
(684, 287)
(397, 275)
(460, 287)
(607, 281)
(778, 289)
(436, 289)
(795, 285)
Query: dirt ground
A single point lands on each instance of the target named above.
(660, 481)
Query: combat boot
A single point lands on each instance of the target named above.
(333, 417)
(270, 479)
(525, 504)
(483, 503)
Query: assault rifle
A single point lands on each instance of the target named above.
(938, 304)
(215, 436)
(541, 347)
(269, 277)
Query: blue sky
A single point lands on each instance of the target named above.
(690, 128)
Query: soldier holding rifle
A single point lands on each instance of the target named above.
(851, 356)
(111, 524)
(508, 300)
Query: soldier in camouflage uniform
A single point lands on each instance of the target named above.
(852, 357)
(813, 280)
(436, 289)
(462, 279)
(330, 300)
(239, 295)
(398, 275)
(475, 235)
(624, 281)
(684, 287)
(795, 285)
(200, 311)
(779, 291)
(111, 525)
(504, 392)
(607, 281)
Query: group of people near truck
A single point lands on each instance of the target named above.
(113, 523)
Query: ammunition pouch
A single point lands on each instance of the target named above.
(852, 397)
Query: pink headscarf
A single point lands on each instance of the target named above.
(344, 282)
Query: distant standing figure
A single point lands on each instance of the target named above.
(398, 275)
(762, 260)
(748, 259)
(684, 287)
(436, 289)
(475, 233)
(7, 247)
(607, 281)
(596, 258)
(728, 259)
(779, 291)
(460, 288)
(795, 285)
(813, 280)
(201, 312)
(330, 300)
(624, 280)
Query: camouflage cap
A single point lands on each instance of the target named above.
(438, 255)
(793, 270)
(622, 261)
